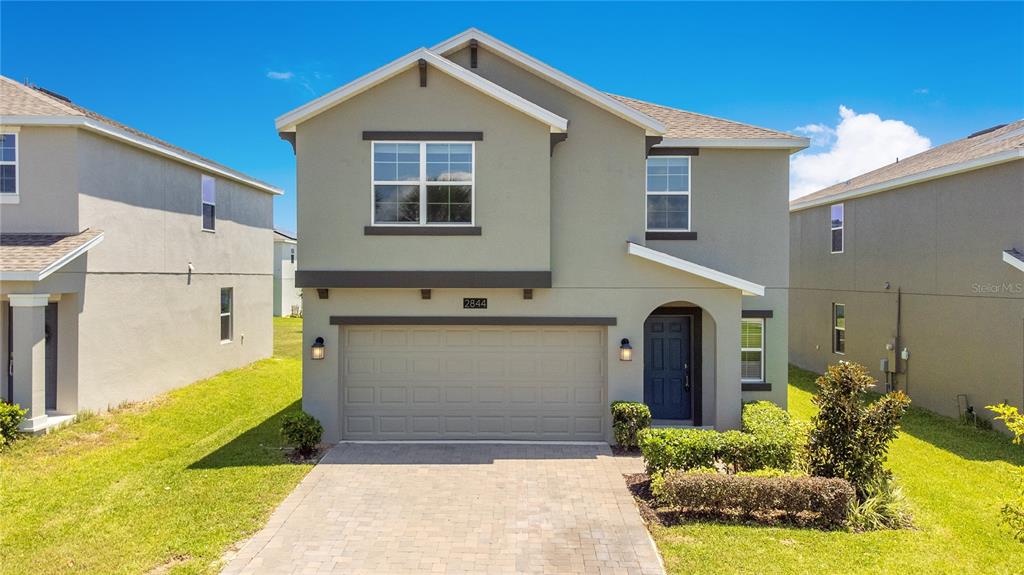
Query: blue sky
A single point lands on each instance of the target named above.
(212, 77)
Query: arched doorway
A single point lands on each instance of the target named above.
(672, 363)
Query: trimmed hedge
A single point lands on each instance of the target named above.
(814, 501)
(303, 431)
(775, 432)
(629, 418)
(668, 449)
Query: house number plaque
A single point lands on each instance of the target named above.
(474, 303)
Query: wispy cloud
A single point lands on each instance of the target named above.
(921, 91)
(858, 143)
(280, 75)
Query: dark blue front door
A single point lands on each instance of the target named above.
(667, 367)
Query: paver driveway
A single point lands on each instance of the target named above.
(456, 508)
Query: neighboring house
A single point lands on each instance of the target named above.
(287, 298)
(128, 266)
(487, 240)
(924, 255)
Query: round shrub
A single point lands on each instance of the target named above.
(11, 416)
(629, 418)
(303, 431)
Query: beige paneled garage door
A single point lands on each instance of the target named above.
(474, 382)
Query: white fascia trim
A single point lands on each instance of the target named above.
(131, 139)
(747, 287)
(792, 144)
(1014, 258)
(56, 265)
(934, 173)
(652, 126)
(288, 121)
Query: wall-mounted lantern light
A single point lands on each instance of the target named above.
(318, 350)
(625, 350)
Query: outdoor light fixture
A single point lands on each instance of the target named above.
(317, 351)
(625, 350)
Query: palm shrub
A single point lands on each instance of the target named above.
(1013, 512)
(849, 437)
(11, 416)
(303, 431)
(629, 418)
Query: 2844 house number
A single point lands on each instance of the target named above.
(474, 303)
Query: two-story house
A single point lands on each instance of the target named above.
(916, 271)
(287, 297)
(493, 249)
(128, 266)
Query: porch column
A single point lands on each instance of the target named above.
(29, 311)
(728, 389)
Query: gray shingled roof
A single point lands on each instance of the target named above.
(976, 146)
(684, 124)
(36, 252)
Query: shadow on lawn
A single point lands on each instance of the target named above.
(260, 445)
(938, 430)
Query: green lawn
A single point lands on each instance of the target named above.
(955, 477)
(164, 486)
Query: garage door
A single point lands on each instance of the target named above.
(474, 382)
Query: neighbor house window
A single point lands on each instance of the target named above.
(668, 193)
(422, 183)
(226, 313)
(293, 255)
(8, 163)
(209, 204)
(837, 228)
(838, 328)
(752, 350)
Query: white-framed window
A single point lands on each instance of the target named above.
(209, 191)
(752, 349)
(837, 224)
(423, 183)
(227, 304)
(839, 328)
(668, 193)
(9, 164)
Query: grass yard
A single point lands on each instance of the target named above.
(955, 477)
(164, 486)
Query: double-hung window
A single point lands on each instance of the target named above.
(227, 305)
(423, 183)
(837, 224)
(838, 328)
(209, 204)
(752, 350)
(668, 193)
(9, 164)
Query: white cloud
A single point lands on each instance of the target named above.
(280, 75)
(858, 144)
(921, 91)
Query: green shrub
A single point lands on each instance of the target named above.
(628, 419)
(671, 449)
(819, 501)
(303, 431)
(885, 507)
(11, 416)
(770, 472)
(1013, 511)
(849, 438)
(776, 433)
(764, 417)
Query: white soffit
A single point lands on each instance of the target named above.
(652, 126)
(287, 122)
(747, 287)
(1014, 258)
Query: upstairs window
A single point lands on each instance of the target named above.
(752, 350)
(839, 328)
(8, 163)
(423, 183)
(668, 193)
(837, 224)
(209, 204)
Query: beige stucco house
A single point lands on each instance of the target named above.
(916, 270)
(128, 266)
(493, 249)
(287, 297)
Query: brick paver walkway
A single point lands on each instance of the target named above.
(456, 508)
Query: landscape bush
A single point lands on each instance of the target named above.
(1013, 512)
(303, 431)
(884, 508)
(813, 501)
(849, 438)
(629, 418)
(11, 416)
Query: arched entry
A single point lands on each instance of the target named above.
(672, 363)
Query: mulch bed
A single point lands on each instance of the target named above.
(619, 451)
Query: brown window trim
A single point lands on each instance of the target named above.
(666, 151)
(757, 386)
(671, 235)
(755, 313)
(468, 320)
(422, 279)
(422, 231)
(425, 136)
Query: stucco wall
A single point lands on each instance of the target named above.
(47, 183)
(940, 243)
(286, 294)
